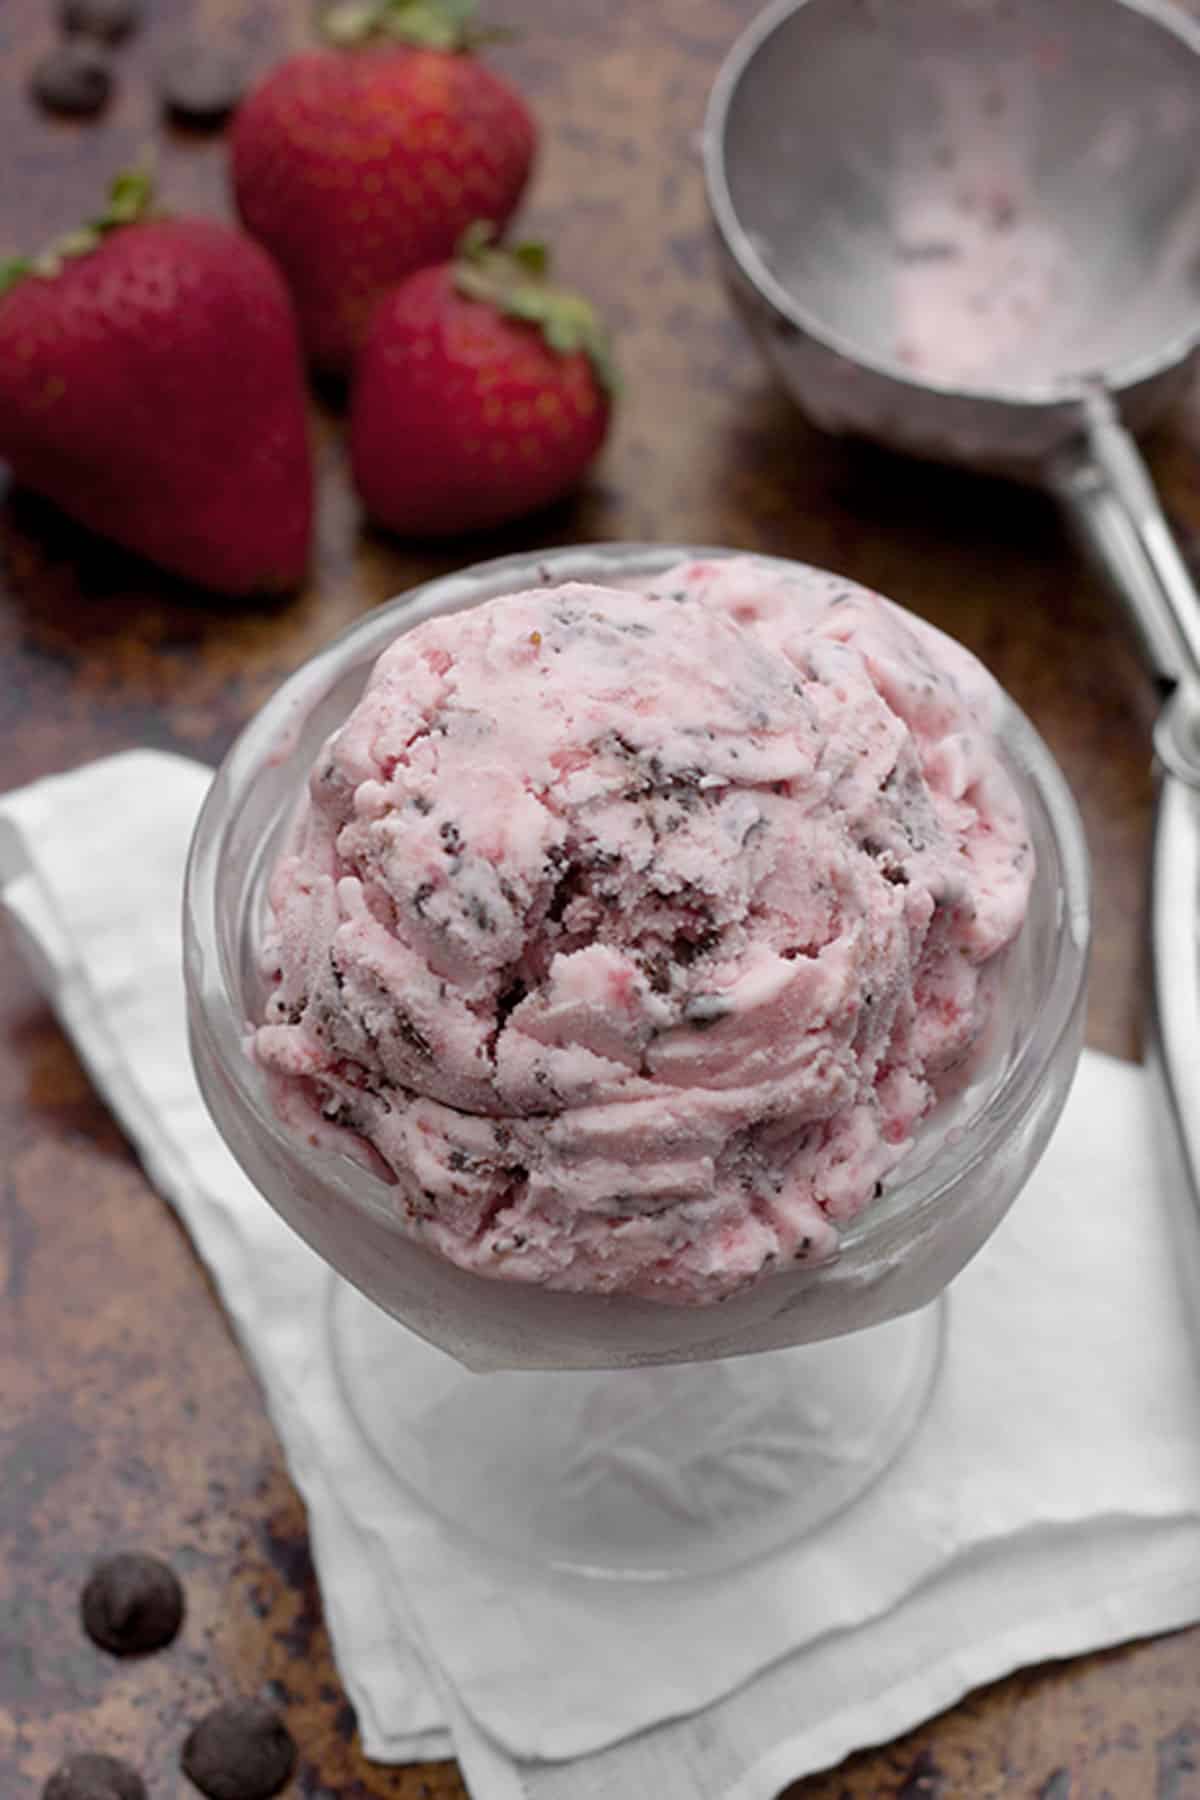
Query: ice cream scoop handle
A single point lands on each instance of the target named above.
(1173, 1036)
(1106, 487)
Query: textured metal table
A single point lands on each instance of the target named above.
(118, 1374)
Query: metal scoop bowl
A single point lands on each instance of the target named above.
(970, 230)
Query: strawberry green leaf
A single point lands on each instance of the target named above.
(599, 353)
(12, 271)
(425, 24)
(528, 303)
(350, 24)
(561, 335)
(516, 282)
(129, 199)
(74, 243)
(533, 256)
(473, 283)
(476, 239)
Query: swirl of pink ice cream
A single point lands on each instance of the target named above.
(631, 934)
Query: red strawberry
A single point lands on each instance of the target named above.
(151, 385)
(481, 393)
(357, 165)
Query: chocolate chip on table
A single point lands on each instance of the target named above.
(90, 1776)
(108, 20)
(132, 1604)
(199, 85)
(73, 78)
(240, 1751)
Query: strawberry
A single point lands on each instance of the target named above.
(481, 393)
(151, 384)
(359, 163)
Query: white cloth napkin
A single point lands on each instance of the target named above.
(1049, 1504)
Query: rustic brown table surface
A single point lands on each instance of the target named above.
(127, 1414)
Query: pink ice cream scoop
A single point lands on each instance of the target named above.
(630, 935)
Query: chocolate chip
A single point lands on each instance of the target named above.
(336, 1111)
(571, 885)
(199, 85)
(705, 1010)
(240, 1751)
(658, 974)
(90, 1776)
(132, 1604)
(108, 20)
(412, 1035)
(697, 940)
(478, 913)
(73, 78)
(507, 1001)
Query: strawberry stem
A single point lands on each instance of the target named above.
(517, 283)
(424, 24)
(129, 199)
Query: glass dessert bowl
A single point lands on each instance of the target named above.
(612, 1433)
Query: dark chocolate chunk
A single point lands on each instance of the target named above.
(658, 974)
(478, 913)
(90, 1776)
(705, 1010)
(698, 940)
(132, 1604)
(108, 20)
(508, 1000)
(569, 886)
(412, 1035)
(240, 1751)
(199, 85)
(74, 78)
(336, 1111)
